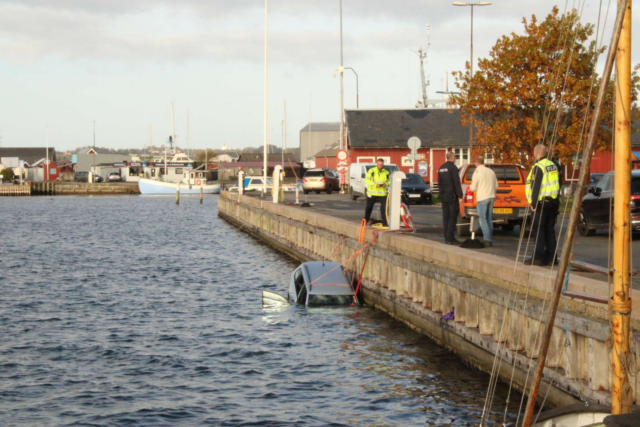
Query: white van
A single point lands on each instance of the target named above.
(357, 175)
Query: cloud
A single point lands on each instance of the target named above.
(301, 32)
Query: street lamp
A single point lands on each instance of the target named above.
(481, 3)
(340, 71)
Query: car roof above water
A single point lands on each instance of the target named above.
(326, 278)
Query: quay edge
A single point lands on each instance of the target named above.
(417, 280)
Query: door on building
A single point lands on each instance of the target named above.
(437, 156)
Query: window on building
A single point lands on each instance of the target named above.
(462, 156)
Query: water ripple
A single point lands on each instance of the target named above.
(134, 311)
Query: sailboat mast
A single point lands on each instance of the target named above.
(575, 214)
(620, 312)
(173, 127)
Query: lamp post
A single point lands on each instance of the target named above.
(340, 70)
(265, 130)
(342, 183)
(481, 3)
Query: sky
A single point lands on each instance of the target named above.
(67, 63)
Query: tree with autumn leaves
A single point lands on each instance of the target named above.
(537, 88)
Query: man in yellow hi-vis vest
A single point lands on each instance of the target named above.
(543, 192)
(377, 183)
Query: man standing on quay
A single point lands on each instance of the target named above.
(451, 196)
(542, 190)
(484, 183)
(377, 183)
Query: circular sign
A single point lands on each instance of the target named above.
(414, 143)
(342, 155)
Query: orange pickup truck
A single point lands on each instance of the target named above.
(509, 208)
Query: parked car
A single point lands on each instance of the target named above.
(597, 205)
(114, 177)
(318, 283)
(81, 177)
(357, 175)
(595, 177)
(319, 180)
(84, 177)
(510, 205)
(414, 189)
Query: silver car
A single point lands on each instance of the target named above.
(319, 180)
(317, 283)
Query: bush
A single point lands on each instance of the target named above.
(7, 175)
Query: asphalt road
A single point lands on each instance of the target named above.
(427, 220)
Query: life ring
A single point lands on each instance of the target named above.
(198, 182)
(407, 219)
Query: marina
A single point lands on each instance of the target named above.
(465, 257)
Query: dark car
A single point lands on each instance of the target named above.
(81, 177)
(84, 177)
(597, 205)
(414, 189)
(595, 177)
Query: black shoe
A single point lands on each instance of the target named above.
(551, 262)
(486, 243)
(453, 242)
(535, 261)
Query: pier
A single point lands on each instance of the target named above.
(15, 190)
(418, 281)
(51, 188)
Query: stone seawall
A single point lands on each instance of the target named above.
(498, 307)
(83, 188)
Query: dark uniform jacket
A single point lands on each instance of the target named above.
(449, 182)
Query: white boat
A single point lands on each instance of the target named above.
(152, 186)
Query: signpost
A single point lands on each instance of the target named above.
(343, 166)
(414, 143)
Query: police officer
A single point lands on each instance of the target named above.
(542, 191)
(451, 196)
(377, 183)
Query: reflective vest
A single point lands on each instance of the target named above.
(374, 178)
(550, 186)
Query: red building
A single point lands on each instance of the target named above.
(50, 171)
(327, 158)
(374, 134)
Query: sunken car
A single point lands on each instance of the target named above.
(320, 283)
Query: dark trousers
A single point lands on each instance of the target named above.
(450, 212)
(543, 232)
(383, 208)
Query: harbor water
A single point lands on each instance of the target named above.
(131, 310)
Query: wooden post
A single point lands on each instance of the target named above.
(178, 194)
(201, 194)
(575, 214)
(621, 393)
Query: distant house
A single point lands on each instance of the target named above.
(314, 137)
(43, 170)
(374, 134)
(227, 157)
(87, 158)
(29, 155)
(259, 157)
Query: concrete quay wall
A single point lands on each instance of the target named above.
(83, 188)
(498, 307)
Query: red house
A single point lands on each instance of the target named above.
(374, 134)
(50, 170)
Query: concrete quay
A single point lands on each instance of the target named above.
(498, 305)
(83, 188)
